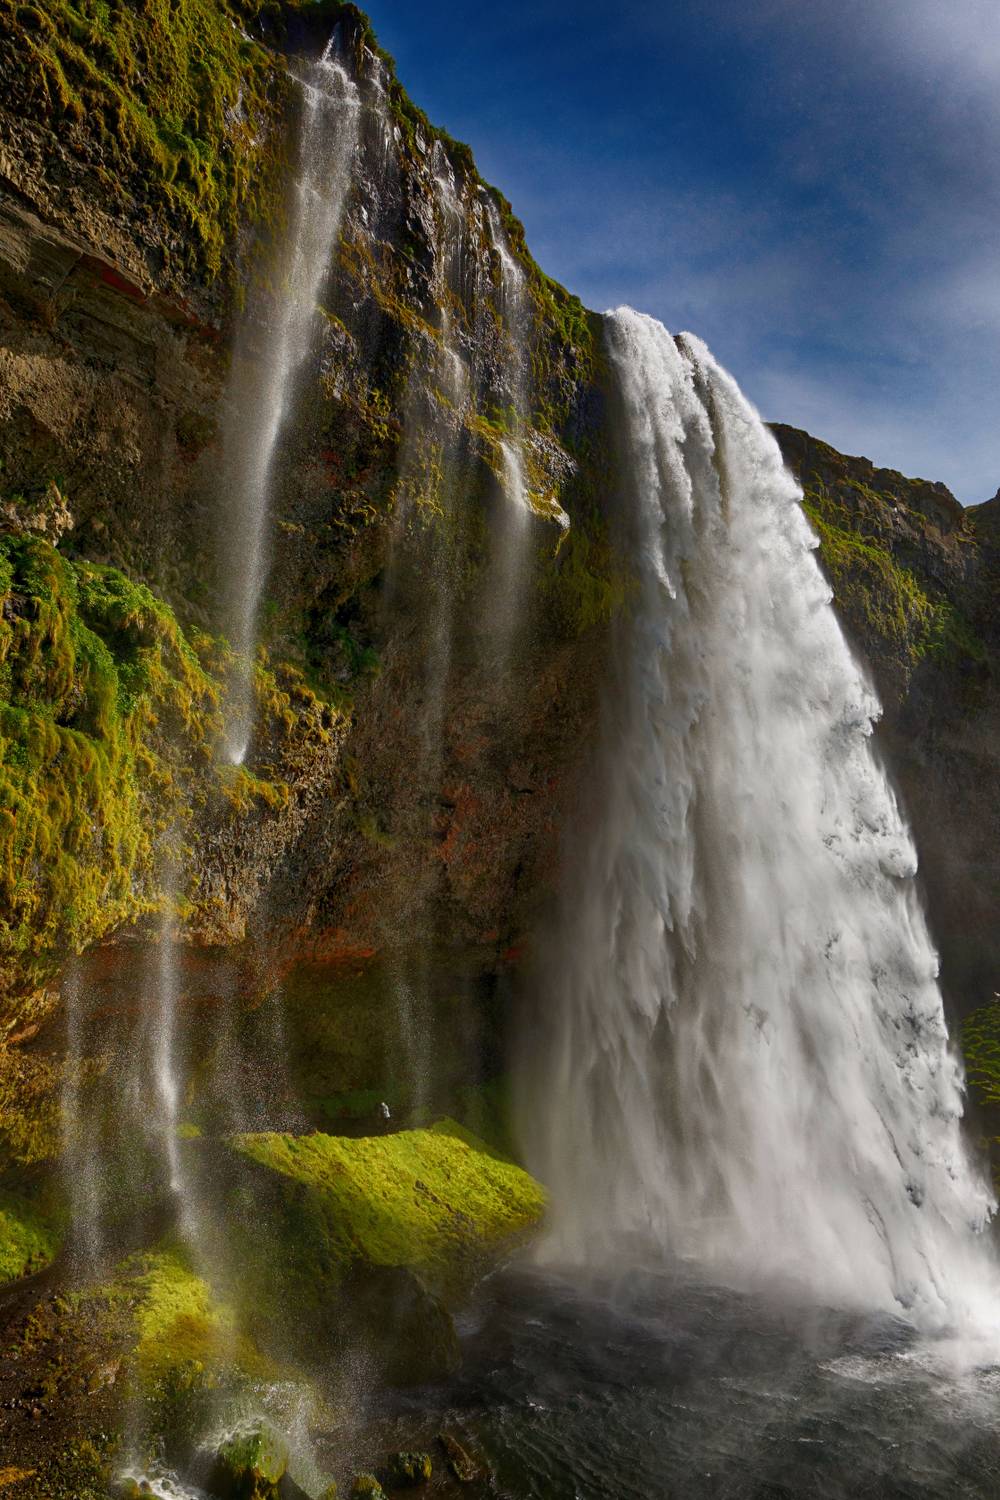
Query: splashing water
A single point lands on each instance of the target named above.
(81, 1157)
(263, 383)
(745, 1062)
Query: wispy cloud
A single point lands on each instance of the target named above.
(813, 187)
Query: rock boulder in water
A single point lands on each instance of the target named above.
(250, 1465)
(461, 1463)
(366, 1487)
(408, 1470)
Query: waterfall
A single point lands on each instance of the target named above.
(515, 524)
(80, 1155)
(262, 386)
(744, 1061)
(162, 1115)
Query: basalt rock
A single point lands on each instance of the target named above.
(916, 580)
(379, 803)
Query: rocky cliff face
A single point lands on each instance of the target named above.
(427, 669)
(915, 578)
(442, 576)
(426, 685)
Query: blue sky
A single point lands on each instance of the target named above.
(813, 186)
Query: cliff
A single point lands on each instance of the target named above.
(915, 581)
(406, 778)
(144, 169)
(426, 682)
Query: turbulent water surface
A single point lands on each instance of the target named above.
(657, 1386)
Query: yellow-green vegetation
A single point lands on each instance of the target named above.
(585, 583)
(881, 595)
(174, 93)
(183, 1350)
(109, 718)
(30, 1234)
(178, 1320)
(433, 1200)
(980, 1038)
(981, 1047)
(106, 713)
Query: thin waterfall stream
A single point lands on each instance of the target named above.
(263, 382)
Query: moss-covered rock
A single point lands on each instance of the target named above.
(186, 1355)
(390, 1222)
(434, 1200)
(31, 1232)
(105, 711)
(176, 102)
(250, 1464)
(366, 1487)
(407, 1471)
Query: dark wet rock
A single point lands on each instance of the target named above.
(289, 1490)
(408, 1470)
(461, 1463)
(366, 1487)
(412, 1331)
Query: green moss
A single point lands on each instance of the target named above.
(105, 715)
(177, 1319)
(185, 1356)
(886, 599)
(868, 581)
(585, 583)
(981, 1047)
(251, 1463)
(175, 96)
(432, 1200)
(30, 1234)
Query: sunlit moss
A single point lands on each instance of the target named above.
(878, 591)
(30, 1233)
(105, 713)
(173, 90)
(433, 1200)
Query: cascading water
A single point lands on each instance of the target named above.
(81, 1159)
(162, 1116)
(430, 470)
(263, 384)
(745, 1062)
(511, 561)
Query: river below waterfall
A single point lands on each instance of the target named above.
(657, 1387)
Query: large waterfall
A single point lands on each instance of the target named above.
(263, 383)
(745, 1061)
